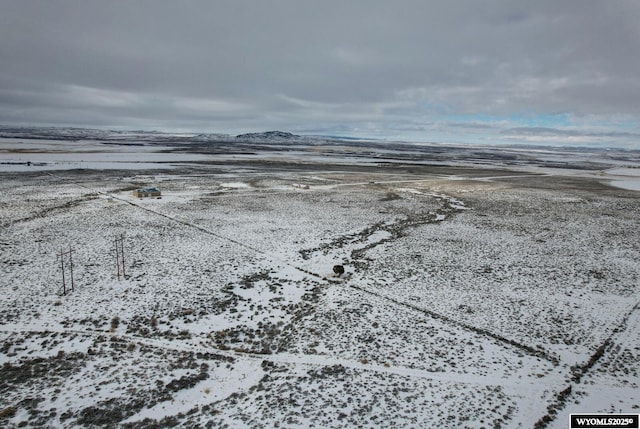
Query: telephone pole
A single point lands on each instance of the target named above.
(117, 257)
(71, 267)
(62, 256)
(124, 274)
(120, 261)
(64, 283)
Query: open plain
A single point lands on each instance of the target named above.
(480, 289)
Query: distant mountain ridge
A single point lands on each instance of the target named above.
(268, 135)
(159, 137)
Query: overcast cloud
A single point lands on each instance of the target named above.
(459, 71)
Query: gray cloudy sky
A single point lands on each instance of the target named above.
(457, 71)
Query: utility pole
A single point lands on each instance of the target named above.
(124, 274)
(71, 267)
(120, 261)
(62, 255)
(117, 257)
(64, 283)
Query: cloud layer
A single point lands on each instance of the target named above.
(404, 69)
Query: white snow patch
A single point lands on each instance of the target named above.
(234, 185)
(631, 184)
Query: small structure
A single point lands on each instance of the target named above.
(146, 192)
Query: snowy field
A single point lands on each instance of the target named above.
(472, 297)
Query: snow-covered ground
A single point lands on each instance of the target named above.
(625, 178)
(50, 155)
(470, 298)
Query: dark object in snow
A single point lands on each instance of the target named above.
(146, 192)
(338, 269)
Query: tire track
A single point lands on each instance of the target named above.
(222, 237)
(480, 331)
(579, 371)
(292, 359)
